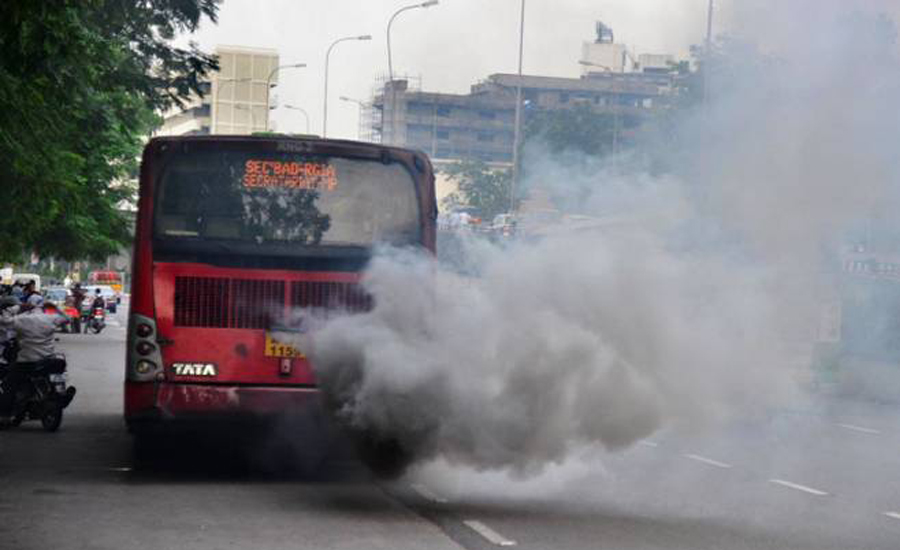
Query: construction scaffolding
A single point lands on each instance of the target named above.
(383, 113)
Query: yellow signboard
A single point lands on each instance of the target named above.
(274, 348)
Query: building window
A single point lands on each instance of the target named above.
(443, 111)
(443, 134)
(487, 115)
(563, 97)
(485, 136)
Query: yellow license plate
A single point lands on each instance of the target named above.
(274, 348)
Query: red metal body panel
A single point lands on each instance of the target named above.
(238, 353)
(176, 401)
(140, 398)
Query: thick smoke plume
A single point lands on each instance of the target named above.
(685, 296)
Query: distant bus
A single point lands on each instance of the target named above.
(112, 279)
(237, 234)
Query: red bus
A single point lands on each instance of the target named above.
(112, 279)
(234, 236)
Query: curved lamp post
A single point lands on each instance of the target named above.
(327, 56)
(269, 85)
(427, 4)
(302, 111)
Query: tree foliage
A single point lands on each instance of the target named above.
(579, 129)
(80, 82)
(480, 186)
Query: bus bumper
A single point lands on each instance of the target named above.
(153, 403)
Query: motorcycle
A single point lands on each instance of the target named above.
(96, 320)
(43, 396)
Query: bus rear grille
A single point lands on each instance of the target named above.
(254, 304)
(337, 296)
(227, 303)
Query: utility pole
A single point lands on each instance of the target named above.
(707, 65)
(517, 131)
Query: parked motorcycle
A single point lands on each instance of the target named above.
(44, 395)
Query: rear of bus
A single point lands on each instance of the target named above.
(112, 279)
(240, 242)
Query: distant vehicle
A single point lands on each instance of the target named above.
(54, 308)
(24, 278)
(106, 292)
(504, 225)
(112, 279)
(56, 294)
(462, 218)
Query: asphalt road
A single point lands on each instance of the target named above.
(820, 475)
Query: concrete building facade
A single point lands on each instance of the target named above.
(236, 99)
(480, 125)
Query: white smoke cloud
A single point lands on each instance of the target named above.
(693, 297)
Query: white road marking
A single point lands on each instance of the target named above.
(492, 536)
(858, 429)
(895, 515)
(799, 487)
(646, 443)
(709, 461)
(428, 494)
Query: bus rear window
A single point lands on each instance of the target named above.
(286, 198)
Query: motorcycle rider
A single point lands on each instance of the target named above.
(8, 305)
(35, 331)
(98, 303)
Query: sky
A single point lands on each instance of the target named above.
(449, 46)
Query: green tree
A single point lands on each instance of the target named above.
(479, 186)
(80, 82)
(579, 129)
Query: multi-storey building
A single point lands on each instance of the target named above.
(480, 125)
(236, 99)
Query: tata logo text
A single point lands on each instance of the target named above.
(194, 369)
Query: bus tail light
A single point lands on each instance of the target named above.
(144, 357)
(144, 347)
(144, 330)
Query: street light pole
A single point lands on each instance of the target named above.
(302, 111)
(427, 4)
(269, 85)
(362, 106)
(708, 56)
(327, 56)
(517, 130)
